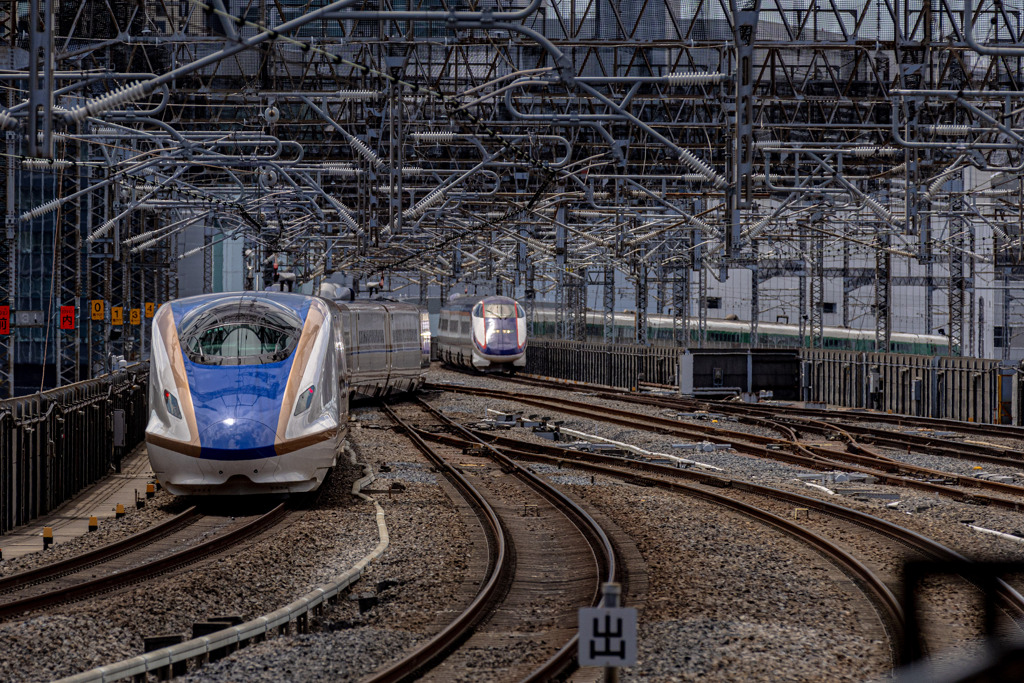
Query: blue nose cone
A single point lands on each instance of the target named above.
(237, 439)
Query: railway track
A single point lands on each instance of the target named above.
(770, 506)
(156, 551)
(838, 421)
(546, 558)
(788, 450)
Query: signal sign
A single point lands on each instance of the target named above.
(5, 319)
(135, 316)
(150, 309)
(117, 315)
(67, 317)
(97, 309)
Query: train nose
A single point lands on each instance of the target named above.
(501, 338)
(236, 438)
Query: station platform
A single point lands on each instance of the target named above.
(72, 518)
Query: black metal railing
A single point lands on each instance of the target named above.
(616, 365)
(55, 443)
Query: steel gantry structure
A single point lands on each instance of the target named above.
(817, 162)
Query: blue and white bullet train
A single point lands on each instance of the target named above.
(249, 391)
(486, 333)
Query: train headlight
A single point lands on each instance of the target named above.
(172, 404)
(305, 400)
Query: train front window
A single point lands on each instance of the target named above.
(240, 332)
(499, 311)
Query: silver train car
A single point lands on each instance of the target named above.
(487, 333)
(249, 392)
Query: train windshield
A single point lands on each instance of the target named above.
(499, 310)
(242, 332)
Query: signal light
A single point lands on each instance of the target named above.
(172, 404)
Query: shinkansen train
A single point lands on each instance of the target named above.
(249, 392)
(486, 333)
(736, 333)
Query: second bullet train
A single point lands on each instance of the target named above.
(486, 333)
(249, 391)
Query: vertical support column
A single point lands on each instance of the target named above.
(883, 316)
(641, 295)
(681, 297)
(40, 95)
(702, 305)
(608, 308)
(817, 291)
(755, 305)
(957, 283)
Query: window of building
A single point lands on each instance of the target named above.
(998, 337)
(714, 301)
(828, 307)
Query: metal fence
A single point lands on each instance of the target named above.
(617, 365)
(968, 389)
(56, 443)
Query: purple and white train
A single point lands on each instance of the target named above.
(487, 334)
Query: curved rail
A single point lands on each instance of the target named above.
(499, 573)
(144, 572)
(94, 557)
(607, 464)
(756, 445)
(563, 660)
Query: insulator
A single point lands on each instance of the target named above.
(358, 94)
(589, 213)
(42, 209)
(759, 144)
(432, 199)
(878, 209)
(412, 170)
(697, 78)
(868, 151)
(693, 178)
(145, 187)
(44, 164)
(101, 231)
(346, 170)
(435, 136)
(112, 100)
(762, 178)
(956, 131)
(696, 164)
(6, 120)
(364, 150)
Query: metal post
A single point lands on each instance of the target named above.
(612, 595)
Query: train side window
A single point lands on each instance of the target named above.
(478, 310)
(520, 313)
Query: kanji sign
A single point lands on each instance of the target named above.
(607, 636)
(67, 317)
(150, 309)
(135, 316)
(97, 309)
(5, 319)
(117, 315)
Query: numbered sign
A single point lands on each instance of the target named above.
(67, 317)
(97, 309)
(150, 309)
(135, 316)
(117, 315)
(5, 319)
